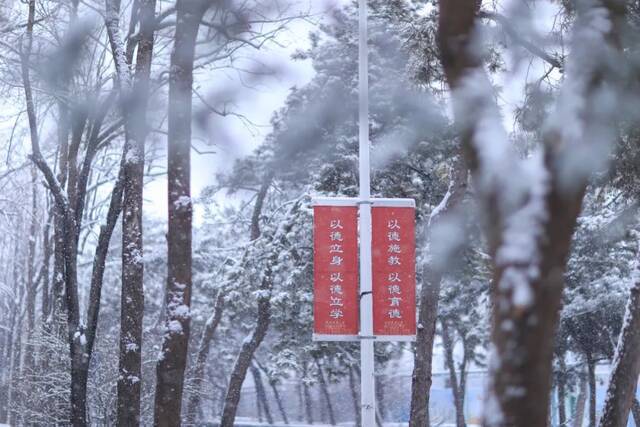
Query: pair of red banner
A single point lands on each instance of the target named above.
(336, 291)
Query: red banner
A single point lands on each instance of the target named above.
(394, 270)
(335, 272)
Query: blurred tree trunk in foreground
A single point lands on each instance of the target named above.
(531, 205)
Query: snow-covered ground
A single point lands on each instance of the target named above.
(245, 422)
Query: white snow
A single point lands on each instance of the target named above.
(174, 327)
(182, 202)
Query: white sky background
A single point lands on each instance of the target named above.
(233, 138)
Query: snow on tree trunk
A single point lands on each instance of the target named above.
(532, 205)
(133, 100)
(249, 346)
(172, 360)
(626, 364)
(30, 350)
(253, 341)
(69, 240)
(428, 308)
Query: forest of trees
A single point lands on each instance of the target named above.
(513, 124)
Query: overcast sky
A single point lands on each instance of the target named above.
(232, 137)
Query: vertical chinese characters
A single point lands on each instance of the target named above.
(335, 248)
(393, 250)
(335, 265)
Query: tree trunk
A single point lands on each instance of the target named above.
(300, 401)
(562, 412)
(308, 404)
(4, 374)
(591, 372)
(462, 385)
(173, 359)
(201, 358)
(635, 410)
(626, 366)
(253, 341)
(79, 379)
(428, 308)
(423, 357)
(79, 358)
(30, 350)
(458, 400)
(213, 322)
(46, 255)
(562, 390)
(273, 383)
(521, 363)
(578, 415)
(33, 132)
(58, 303)
(379, 421)
(242, 363)
(261, 393)
(380, 397)
(324, 387)
(258, 406)
(4, 343)
(68, 239)
(133, 101)
(353, 388)
(283, 413)
(13, 349)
